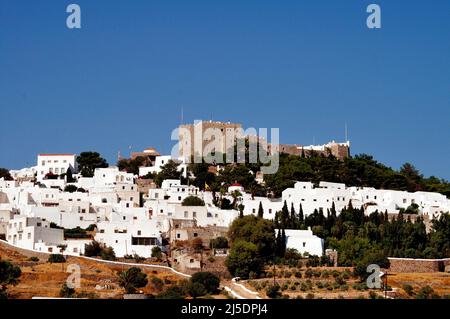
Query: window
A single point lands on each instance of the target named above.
(270, 210)
(102, 231)
(191, 261)
(75, 249)
(254, 211)
(43, 163)
(124, 217)
(185, 214)
(179, 197)
(304, 244)
(139, 233)
(83, 210)
(29, 235)
(195, 234)
(104, 200)
(194, 214)
(143, 241)
(178, 236)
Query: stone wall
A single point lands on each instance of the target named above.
(410, 265)
(25, 252)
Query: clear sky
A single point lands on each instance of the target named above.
(306, 67)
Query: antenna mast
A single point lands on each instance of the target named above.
(346, 133)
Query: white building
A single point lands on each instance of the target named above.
(131, 232)
(55, 164)
(304, 241)
(160, 161)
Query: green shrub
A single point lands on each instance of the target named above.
(108, 254)
(192, 201)
(66, 292)
(408, 289)
(209, 281)
(56, 258)
(273, 291)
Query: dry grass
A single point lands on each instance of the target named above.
(45, 280)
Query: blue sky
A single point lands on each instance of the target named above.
(306, 67)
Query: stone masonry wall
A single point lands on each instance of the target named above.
(409, 265)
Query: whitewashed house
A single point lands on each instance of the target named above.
(304, 241)
(55, 164)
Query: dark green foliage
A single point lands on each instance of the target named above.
(260, 210)
(254, 230)
(243, 259)
(209, 281)
(108, 253)
(219, 242)
(273, 291)
(157, 283)
(66, 292)
(4, 173)
(426, 293)
(131, 165)
(131, 279)
(70, 188)
(77, 232)
(360, 170)
(408, 289)
(89, 161)
(156, 252)
(93, 249)
(173, 292)
(193, 201)
(69, 176)
(168, 171)
(9, 275)
(56, 258)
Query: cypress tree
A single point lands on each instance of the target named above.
(301, 217)
(260, 210)
(293, 219)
